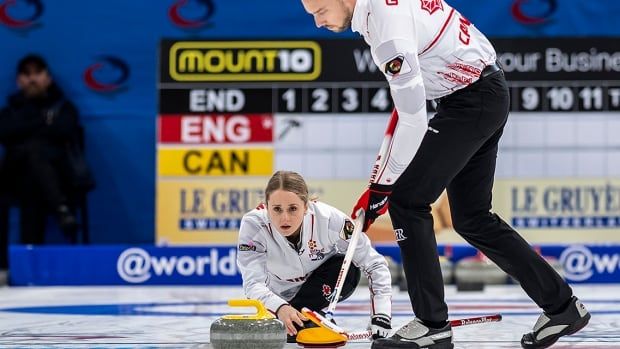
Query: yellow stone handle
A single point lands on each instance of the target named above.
(261, 311)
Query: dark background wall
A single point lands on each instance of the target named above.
(104, 55)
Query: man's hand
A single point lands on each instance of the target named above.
(374, 201)
(380, 326)
(290, 316)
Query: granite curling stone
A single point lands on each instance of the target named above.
(260, 331)
(473, 273)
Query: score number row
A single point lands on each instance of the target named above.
(548, 98)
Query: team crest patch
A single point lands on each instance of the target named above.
(394, 66)
(347, 230)
(244, 247)
(431, 5)
(327, 290)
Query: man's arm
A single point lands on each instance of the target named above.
(394, 47)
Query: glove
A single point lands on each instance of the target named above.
(374, 201)
(380, 326)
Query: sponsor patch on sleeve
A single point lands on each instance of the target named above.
(244, 247)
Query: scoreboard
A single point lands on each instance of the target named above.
(369, 97)
(233, 112)
(338, 76)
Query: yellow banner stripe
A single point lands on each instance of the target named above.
(215, 162)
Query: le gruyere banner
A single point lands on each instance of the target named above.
(204, 212)
(209, 212)
(579, 209)
(215, 161)
(543, 211)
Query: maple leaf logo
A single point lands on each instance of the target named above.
(431, 5)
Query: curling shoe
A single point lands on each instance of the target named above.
(549, 328)
(416, 335)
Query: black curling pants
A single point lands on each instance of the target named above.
(458, 153)
(314, 293)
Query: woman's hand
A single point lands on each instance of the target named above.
(290, 316)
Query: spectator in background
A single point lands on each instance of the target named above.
(36, 128)
(4, 223)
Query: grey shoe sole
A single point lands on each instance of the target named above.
(572, 329)
(387, 344)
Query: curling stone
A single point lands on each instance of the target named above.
(472, 273)
(556, 264)
(447, 269)
(261, 330)
(447, 272)
(553, 262)
(395, 270)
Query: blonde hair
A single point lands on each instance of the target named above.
(288, 181)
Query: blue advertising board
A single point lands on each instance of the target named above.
(123, 265)
(216, 265)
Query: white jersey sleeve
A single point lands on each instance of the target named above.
(394, 48)
(252, 262)
(371, 263)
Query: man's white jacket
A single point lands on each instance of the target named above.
(273, 271)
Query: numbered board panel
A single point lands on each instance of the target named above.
(307, 99)
(362, 98)
(566, 96)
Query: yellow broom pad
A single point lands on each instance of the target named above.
(320, 337)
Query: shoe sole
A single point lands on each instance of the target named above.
(406, 345)
(578, 326)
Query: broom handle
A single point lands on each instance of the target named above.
(359, 224)
(476, 320)
(346, 263)
(363, 335)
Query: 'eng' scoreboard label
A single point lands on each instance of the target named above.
(216, 128)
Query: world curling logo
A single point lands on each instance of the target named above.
(20, 14)
(179, 11)
(581, 264)
(107, 74)
(525, 14)
(135, 265)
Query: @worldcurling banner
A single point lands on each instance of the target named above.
(216, 265)
(123, 265)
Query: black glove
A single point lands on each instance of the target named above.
(374, 201)
(380, 326)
